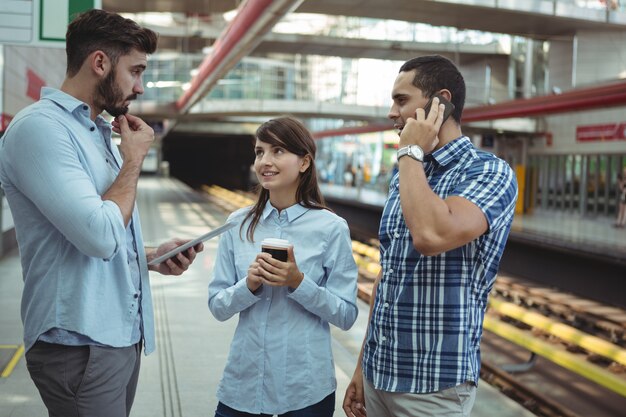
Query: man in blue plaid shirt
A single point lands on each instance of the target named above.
(442, 234)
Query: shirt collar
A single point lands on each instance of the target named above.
(70, 103)
(292, 212)
(451, 151)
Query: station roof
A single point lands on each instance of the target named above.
(536, 19)
(541, 19)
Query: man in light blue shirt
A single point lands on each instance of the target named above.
(86, 304)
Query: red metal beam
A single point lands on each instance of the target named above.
(609, 95)
(254, 18)
(248, 13)
(352, 130)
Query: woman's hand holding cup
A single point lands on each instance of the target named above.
(275, 272)
(254, 279)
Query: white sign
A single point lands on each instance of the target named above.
(39, 22)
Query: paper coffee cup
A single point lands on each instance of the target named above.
(276, 247)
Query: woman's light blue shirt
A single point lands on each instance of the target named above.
(280, 357)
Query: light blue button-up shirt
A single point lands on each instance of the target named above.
(55, 164)
(280, 357)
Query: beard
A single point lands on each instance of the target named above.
(110, 97)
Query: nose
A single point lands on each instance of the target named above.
(393, 112)
(138, 87)
(266, 158)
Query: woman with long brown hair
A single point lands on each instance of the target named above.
(280, 359)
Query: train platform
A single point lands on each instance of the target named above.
(181, 377)
(565, 230)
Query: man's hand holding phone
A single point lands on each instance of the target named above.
(423, 129)
(449, 107)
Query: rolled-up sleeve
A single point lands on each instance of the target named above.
(335, 300)
(46, 167)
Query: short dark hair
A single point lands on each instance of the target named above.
(109, 32)
(434, 73)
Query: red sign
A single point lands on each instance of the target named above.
(599, 133)
(35, 82)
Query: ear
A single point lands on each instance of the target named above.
(446, 94)
(99, 63)
(305, 163)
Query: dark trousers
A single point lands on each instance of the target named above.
(324, 408)
(85, 381)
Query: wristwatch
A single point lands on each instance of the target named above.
(413, 151)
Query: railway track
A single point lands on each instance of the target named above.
(587, 315)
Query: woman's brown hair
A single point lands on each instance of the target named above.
(291, 134)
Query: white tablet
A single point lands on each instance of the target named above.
(179, 249)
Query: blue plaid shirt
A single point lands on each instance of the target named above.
(426, 325)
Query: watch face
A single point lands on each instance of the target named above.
(416, 152)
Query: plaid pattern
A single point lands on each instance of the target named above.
(426, 325)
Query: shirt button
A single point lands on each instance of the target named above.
(383, 338)
(396, 235)
(386, 305)
(92, 128)
(85, 107)
(136, 296)
(391, 270)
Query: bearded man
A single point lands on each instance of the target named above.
(86, 303)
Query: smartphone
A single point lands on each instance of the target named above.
(442, 100)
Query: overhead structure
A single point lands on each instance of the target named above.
(604, 96)
(534, 19)
(253, 20)
(608, 95)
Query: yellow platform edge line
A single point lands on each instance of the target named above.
(11, 365)
(9, 346)
(564, 359)
(564, 332)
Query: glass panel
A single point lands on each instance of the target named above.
(584, 181)
(592, 185)
(562, 180)
(604, 184)
(577, 177)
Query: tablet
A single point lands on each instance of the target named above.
(181, 248)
